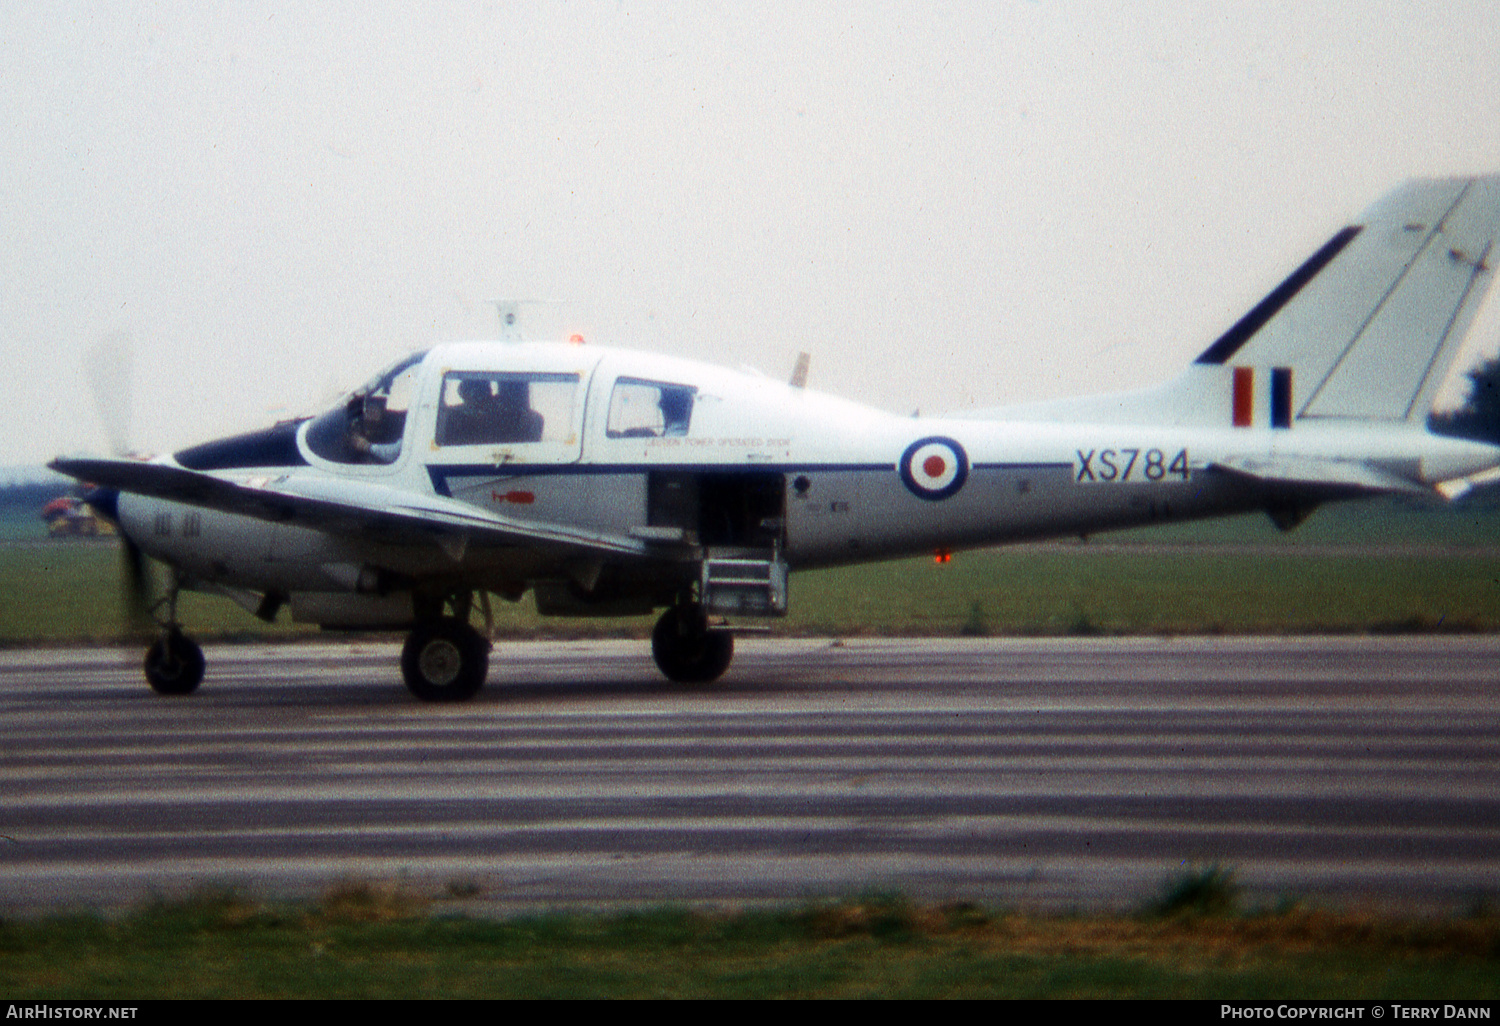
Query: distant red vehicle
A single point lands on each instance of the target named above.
(68, 517)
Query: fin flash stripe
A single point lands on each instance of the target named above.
(1281, 397)
(1244, 396)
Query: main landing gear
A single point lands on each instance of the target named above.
(445, 660)
(687, 649)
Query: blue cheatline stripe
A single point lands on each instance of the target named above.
(1023, 466)
(441, 472)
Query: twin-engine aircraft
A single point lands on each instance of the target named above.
(607, 481)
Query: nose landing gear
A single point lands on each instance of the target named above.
(174, 662)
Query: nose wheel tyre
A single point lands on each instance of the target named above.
(445, 660)
(174, 664)
(686, 650)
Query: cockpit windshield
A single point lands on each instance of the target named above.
(368, 426)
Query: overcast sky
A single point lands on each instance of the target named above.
(947, 205)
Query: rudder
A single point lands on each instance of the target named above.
(1369, 326)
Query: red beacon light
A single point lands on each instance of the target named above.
(942, 555)
(575, 339)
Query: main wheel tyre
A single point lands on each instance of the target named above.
(687, 651)
(445, 660)
(174, 664)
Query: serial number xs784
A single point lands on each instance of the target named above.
(1129, 466)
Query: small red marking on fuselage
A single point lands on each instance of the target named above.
(520, 498)
(933, 466)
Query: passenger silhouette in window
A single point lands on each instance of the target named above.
(676, 410)
(492, 411)
(649, 409)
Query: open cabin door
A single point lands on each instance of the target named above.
(739, 518)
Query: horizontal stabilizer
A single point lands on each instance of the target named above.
(1458, 487)
(1305, 472)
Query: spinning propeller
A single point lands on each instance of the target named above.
(110, 365)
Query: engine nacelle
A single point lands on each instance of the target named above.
(335, 610)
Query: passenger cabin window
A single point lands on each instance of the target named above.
(369, 425)
(649, 409)
(488, 408)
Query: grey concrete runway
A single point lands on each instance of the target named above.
(1046, 773)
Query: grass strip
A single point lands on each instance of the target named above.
(70, 593)
(365, 941)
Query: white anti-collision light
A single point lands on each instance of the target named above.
(934, 468)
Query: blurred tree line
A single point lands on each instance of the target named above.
(1479, 416)
(28, 499)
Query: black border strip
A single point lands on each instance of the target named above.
(1230, 342)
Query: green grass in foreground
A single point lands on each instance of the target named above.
(369, 942)
(68, 593)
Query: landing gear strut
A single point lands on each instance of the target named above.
(174, 662)
(445, 660)
(687, 650)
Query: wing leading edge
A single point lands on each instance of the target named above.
(369, 511)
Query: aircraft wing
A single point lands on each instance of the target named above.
(369, 511)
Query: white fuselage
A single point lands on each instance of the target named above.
(756, 464)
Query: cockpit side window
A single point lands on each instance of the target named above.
(491, 408)
(649, 409)
(369, 425)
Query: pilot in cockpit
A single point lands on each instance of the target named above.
(368, 429)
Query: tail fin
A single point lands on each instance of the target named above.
(1368, 328)
(1365, 330)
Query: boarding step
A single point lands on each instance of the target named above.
(744, 584)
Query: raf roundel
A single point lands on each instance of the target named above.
(934, 468)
